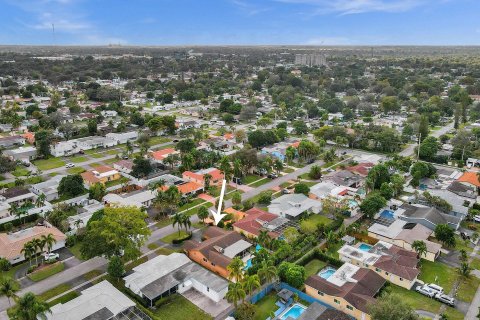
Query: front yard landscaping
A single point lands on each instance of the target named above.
(250, 178)
(467, 289)
(439, 273)
(258, 183)
(47, 164)
(46, 271)
(76, 170)
(20, 172)
(117, 182)
(175, 236)
(78, 159)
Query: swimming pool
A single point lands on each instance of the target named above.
(352, 203)
(326, 273)
(293, 312)
(258, 247)
(365, 247)
(248, 264)
(387, 214)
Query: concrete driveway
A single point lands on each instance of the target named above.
(209, 306)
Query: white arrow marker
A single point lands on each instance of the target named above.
(218, 215)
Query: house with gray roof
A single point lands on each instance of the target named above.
(291, 206)
(165, 275)
(427, 216)
(100, 302)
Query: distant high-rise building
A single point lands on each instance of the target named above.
(312, 59)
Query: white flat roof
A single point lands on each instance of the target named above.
(388, 232)
(344, 274)
(234, 249)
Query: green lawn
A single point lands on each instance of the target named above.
(315, 219)
(158, 140)
(116, 182)
(313, 267)
(46, 271)
(173, 236)
(178, 307)
(163, 223)
(110, 161)
(461, 244)
(467, 289)
(475, 264)
(191, 204)
(164, 251)
(48, 164)
(65, 298)
(439, 273)
(259, 182)
(76, 170)
(95, 164)
(288, 170)
(20, 172)
(75, 250)
(78, 159)
(265, 306)
(92, 274)
(194, 211)
(250, 178)
(52, 293)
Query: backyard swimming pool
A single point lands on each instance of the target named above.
(293, 312)
(248, 264)
(387, 214)
(365, 247)
(352, 203)
(326, 273)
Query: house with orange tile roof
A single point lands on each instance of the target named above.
(101, 174)
(186, 189)
(29, 137)
(236, 216)
(470, 178)
(11, 244)
(199, 176)
(160, 155)
(256, 220)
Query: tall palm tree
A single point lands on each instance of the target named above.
(203, 213)
(263, 238)
(29, 307)
(267, 272)
(420, 248)
(8, 288)
(235, 293)
(28, 251)
(50, 240)
(207, 177)
(251, 283)
(38, 246)
(235, 269)
(13, 210)
(177, 220)
(186, 222)
(40, 202)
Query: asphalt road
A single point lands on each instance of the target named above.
(409, 150)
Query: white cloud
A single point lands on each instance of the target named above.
(248, 8)
(344, 7)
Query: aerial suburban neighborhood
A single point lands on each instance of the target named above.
(280, 182)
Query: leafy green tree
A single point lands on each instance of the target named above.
(71, 185)
(428, 148)
(302, 188)
(9, 288)
(121, 230)
(92, 127)
(423, 127)
(386, 191)
(185, 146)
(141, 168)
(291, 273)
(245, 311)
(377, 176)
(372, 204)
(97, 191)
(202, 213)
(391, 306)
(29, 307)
(116, 268)
(390, 104)
(236, 198)
(42, 142)
(315, 172)
(397, 183)
(445, 234)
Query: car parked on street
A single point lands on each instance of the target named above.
(69, 165)
(445, 299)
(426, 291)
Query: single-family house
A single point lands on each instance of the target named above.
(122, 137)
(160, 155)
(218, 249)
(101, 174)
(11, 141)
(257, 220)
(24, 154)
(349, 289)
(470, 178)
(49, 188)
(216, 176)
(165, 275)
(125, 166)
(345, 178)
(11, 244)
(139, 199)
(397, 265)
(291, 206)
(428, 216)
(101, 301)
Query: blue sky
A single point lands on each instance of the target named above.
(212, 22)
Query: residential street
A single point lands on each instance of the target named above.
(409, 150)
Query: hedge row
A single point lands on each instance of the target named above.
(179, 241)
(320, 255)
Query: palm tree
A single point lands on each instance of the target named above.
(8, 288)
(203, 213)
(38, 246)
(50, 240)
(207, 177)
(263, 238)
(13, 210)
(40, 202)
(29, 307)
(186, 222)
(267, 272)
(420, 248)
(235, 293)
(28, 251)
(187, 161)
(464, 269)
(177, 220)
(330, 238)
(235, 269)
(251, 283)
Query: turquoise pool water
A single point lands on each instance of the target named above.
(387, 214)
(365, 247)
(248, 264)
(294, 312)
(326, 272)
(352, 203)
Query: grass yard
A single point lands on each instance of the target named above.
(475, 264)
(461, 244)
(97, 155)
(439, 273)
(20, 172)
(52, 293)
(116, 182)
(152, 246)
(288, 170)
(65, 298)
(47, 164)
(194, 211)
(110, 161)
(178, 307)
(285, 185)
(265, 306)
(92, 274)
(78, 159)
(75, 250)
(191, 204)
(163, 223)
(46, 271)
(158, 140)
(467, 289)
(250, 178)
(416, 300)
(76, 170)
(164, 251)
(314, 266)
(174, 236)
(258, 183)
(309, 183)
(95, 164)
(315, 219)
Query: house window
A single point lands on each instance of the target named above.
(336, 301)
(205, 259)
(386, 273)
(320, 293)
(213, 264)
(378, 270)
(349, 307)
(401, 279)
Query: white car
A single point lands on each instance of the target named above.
(51, 256)
(476, 218)
(445, 299)
(426, 291)
(70, 165)
(433, 287)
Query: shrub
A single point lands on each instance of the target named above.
(187, 237)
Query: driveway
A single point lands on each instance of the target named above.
(209, 306)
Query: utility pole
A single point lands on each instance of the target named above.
(418, 151)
